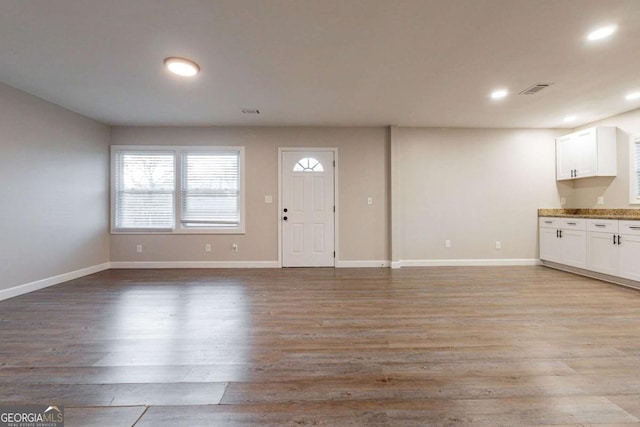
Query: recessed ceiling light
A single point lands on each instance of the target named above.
(602, 33)
(499, 93)
(570, 119)
(632, 96)
(181, 66)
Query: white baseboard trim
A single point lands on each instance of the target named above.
(465, 262)
(195, 264)
(50, 281)
(362, 264)
(593, 274)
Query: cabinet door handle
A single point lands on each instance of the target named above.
(614, 239)
(572, 223)
(548, 222)
(634, 228)
(560, 231)
(600, 225)
(618, 239)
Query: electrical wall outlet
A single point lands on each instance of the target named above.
(268, 199)
(498, 244)
(601, 200)
(234, 247)
(207, 247)
(139, 249)
(447, 243)
(369, 200)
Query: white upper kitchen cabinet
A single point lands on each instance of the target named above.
(586, 153)
(566, 156)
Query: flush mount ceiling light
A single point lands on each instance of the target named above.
(602, 33)
(570, 119)
(499, 93)
(632, 96)
(181, 66)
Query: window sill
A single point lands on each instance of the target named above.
(178, 232)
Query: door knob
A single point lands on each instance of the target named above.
(286, 210)
(284, 218)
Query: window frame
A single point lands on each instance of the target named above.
(178, 227)
(634, 170)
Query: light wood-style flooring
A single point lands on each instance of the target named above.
(446, 346)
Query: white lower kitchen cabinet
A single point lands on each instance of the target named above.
(608, 247)
(563, 241)
(602, 246)
(574, 244)
(629, 250)
(550, 245)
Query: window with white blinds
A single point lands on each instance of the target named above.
(177, 189)
(634, 170)
(144, 190)
(210, 189)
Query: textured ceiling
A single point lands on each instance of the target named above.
(325, 62)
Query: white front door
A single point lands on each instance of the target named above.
(307, 210)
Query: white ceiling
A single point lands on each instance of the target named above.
(324, 62)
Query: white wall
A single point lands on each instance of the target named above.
(614, 190)
(470, 186)
(362, 171)
(473, 187)
(53, 191)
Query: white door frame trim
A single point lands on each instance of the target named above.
(335, 197)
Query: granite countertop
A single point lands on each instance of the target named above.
(592, 213)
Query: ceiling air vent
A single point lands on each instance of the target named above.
(532, 90)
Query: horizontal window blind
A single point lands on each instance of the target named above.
(210, 189)
(144, 190)
(637, 169)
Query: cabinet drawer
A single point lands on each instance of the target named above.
(603, 225)
(549, 222)
(629, 227)
(573, 223)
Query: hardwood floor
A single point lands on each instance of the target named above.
(446, 346)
